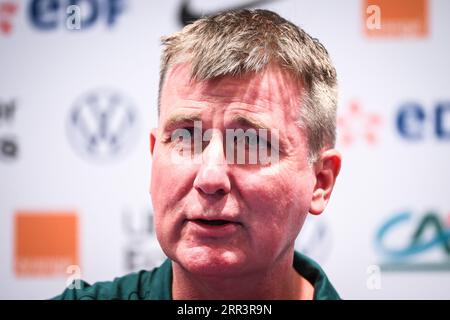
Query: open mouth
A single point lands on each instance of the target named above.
(213, 228)
(212, 222)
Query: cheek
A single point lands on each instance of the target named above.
(164, 198)
(283, 190)
(170, 183)
(158, 188)
(170, 180)
(278, 204)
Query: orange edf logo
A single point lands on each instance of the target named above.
(46, 242)
(395, 18)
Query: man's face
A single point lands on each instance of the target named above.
(219, 218)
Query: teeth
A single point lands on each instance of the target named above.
(214, 222)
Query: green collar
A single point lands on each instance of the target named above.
(161, 279)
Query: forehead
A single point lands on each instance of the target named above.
(270, 90)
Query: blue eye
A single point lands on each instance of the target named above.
(186, 133)
(251, 140)
(191, 131)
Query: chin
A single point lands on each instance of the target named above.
(208, 261)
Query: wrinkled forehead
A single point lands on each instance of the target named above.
(273, 87)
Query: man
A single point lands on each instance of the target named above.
(228, 226)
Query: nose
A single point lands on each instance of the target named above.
(212, 177)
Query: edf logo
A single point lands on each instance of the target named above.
(414, 122)
(51, 14)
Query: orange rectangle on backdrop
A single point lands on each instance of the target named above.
(46, 242)
(398, 18)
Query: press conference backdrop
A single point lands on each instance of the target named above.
(78, 96)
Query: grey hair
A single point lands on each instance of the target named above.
(242, 41)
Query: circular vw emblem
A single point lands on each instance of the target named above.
(102, 125)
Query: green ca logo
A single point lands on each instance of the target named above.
(404, 239)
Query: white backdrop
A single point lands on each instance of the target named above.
(394, 134)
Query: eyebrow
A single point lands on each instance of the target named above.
(238, 119)
(181, 118)
(253, 123)
(249, 122)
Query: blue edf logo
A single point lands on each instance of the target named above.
(413, 121)
(50, 14)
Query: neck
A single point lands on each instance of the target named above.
(279, 282)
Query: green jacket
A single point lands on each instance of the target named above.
(157, 284)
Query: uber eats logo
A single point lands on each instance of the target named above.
(9, 145)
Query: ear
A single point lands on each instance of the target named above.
(153, 134)
(326, 170)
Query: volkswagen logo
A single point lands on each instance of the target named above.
(102, 125)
